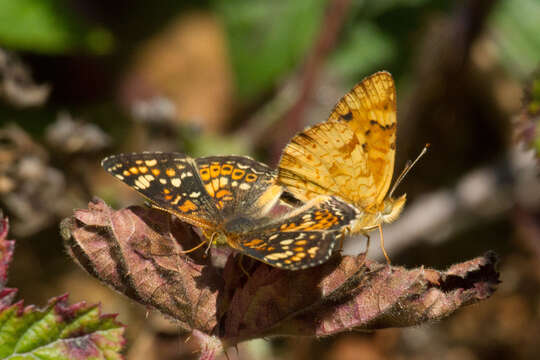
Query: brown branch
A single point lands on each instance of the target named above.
(292, 120)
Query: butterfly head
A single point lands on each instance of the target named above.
(392, 208)
(215, 237)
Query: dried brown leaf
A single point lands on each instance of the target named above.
(136, 251)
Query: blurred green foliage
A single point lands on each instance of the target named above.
(516, 28)
(364, 47)
(49, 27)
(268, 38)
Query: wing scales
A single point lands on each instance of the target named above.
(355, 146)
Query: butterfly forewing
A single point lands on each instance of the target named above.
(306, 237)
(325, 159)
(170, 181)
(372, 104)
(239, 185)
(356, 147)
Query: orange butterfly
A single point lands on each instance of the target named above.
(351, 155)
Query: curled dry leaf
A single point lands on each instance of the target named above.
(134, 251)
(137, 251)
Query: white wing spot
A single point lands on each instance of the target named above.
(143, 183)
(244, 186)
(119, 176)
(151, 163)
(163, 181)
(223, 181)
(139, 185)
(277, 256)
(176, 182)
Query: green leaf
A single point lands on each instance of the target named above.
(268, 38)
(49, 27)
(59, 332)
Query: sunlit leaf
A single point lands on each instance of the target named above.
(58, 331)
(137, 251)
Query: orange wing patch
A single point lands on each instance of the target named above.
(351, 154)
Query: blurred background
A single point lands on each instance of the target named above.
(81, 79)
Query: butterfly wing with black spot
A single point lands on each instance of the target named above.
(240, 186)
(304, 238)
(352, 153)
(170, 181)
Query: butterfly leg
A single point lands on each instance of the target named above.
(367, 244)
(382, 245)
(241, 266)
(340, 244)
(193, 248)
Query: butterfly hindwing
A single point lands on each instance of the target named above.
(306, 237)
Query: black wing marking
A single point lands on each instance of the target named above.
(170, 181)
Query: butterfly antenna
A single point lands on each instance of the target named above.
(408, 168)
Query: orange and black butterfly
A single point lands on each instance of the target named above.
(229, 198)
(350, 155)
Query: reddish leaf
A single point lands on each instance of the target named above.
(6, 250)
(136, 250)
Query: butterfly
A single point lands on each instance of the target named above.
(229, 198)
(351, 155)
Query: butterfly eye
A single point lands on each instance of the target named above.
(392, 208)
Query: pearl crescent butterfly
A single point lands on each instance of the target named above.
(351, 155)
(229, 198)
